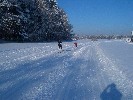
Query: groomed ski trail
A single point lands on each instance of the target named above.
(74, 74)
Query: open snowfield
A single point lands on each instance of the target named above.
(38, 71)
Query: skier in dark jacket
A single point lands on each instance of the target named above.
(59, 44)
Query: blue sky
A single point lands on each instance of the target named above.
(99, 16)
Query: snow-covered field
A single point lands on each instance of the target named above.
(93, 70)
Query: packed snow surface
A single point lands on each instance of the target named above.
(95, 70)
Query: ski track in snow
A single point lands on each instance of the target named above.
(46, 73)
(116, 74)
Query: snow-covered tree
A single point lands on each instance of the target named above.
(10, 22)
(33, 20)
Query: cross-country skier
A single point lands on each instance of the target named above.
(75, 44)
(59, 44)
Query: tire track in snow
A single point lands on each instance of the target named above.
(115, 74)
(80, 83)
(32, 56)
(28, 58)
(31, 77)
(69, 78)
(14, 81)
(47, 88)
(75, 75)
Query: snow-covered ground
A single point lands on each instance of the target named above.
(93, 70)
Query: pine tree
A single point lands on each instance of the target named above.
(33, 20)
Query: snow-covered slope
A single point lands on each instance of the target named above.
(93, 70)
